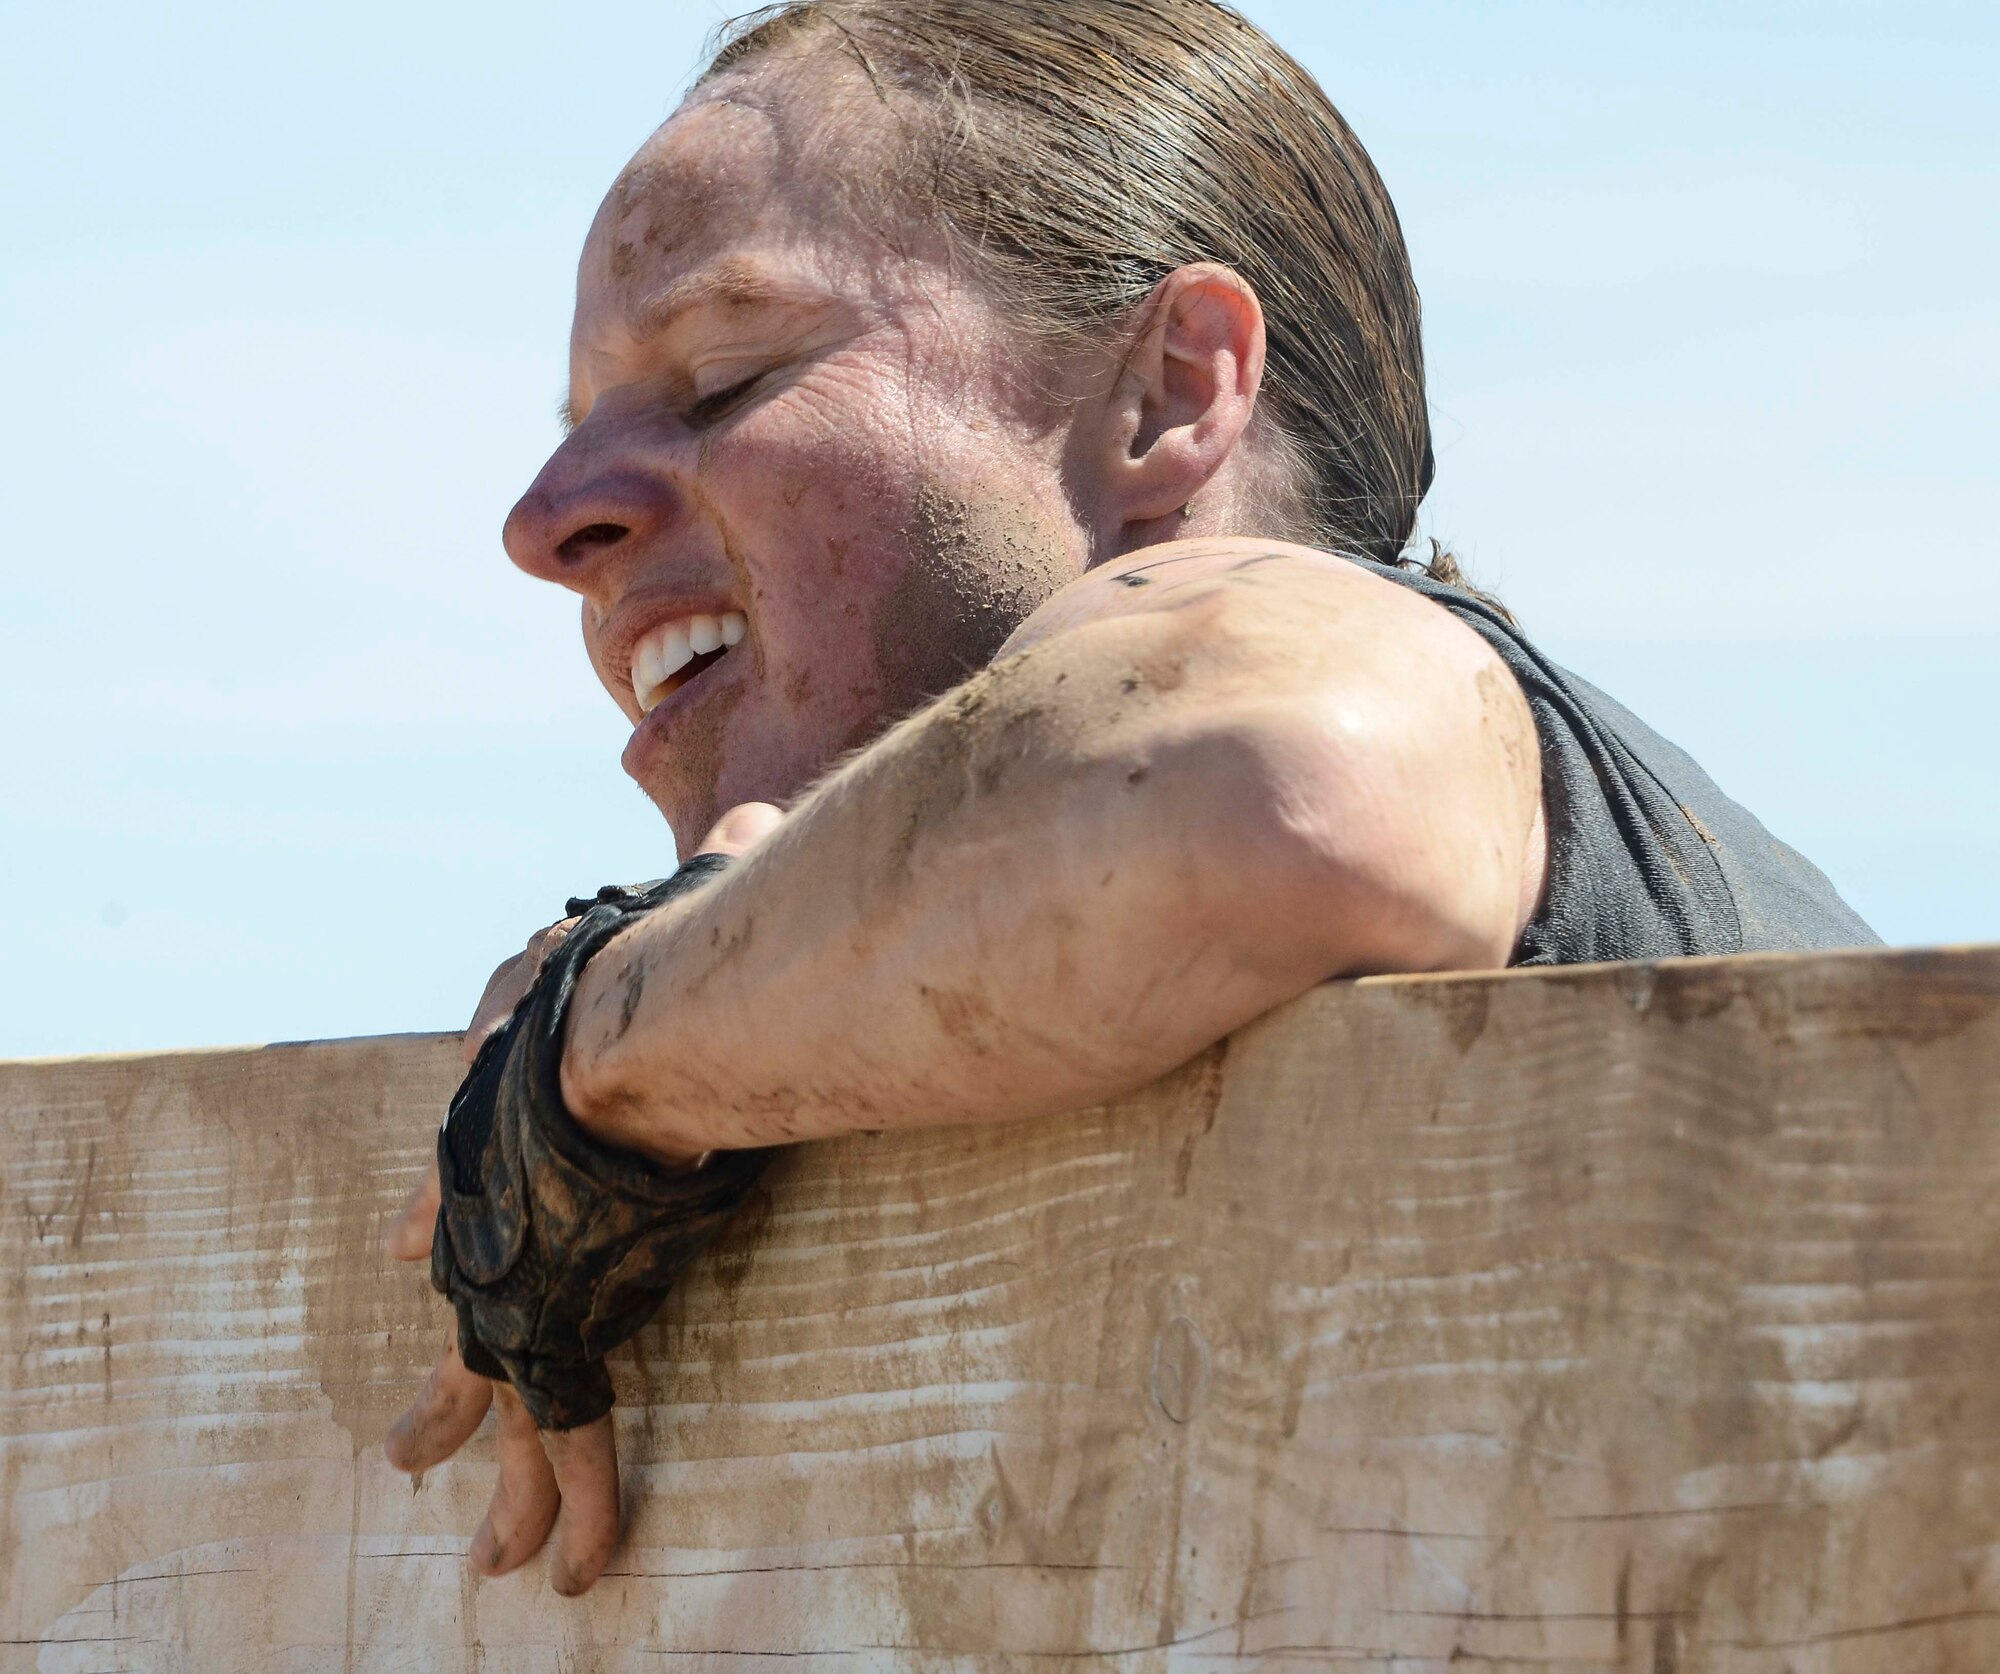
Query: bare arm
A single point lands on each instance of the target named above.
(1203, 779)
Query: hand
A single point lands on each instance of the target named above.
(511, 979)
(540, 1472)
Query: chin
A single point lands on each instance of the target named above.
(706, 777)
(691, 807)
(689, 814)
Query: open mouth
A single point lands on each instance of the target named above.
(678, 651)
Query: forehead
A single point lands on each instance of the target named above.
(743, 167)
(709, 169)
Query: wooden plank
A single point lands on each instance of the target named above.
(1627, 1318)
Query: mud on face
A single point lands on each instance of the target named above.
(976, 572)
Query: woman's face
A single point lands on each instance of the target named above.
(806, 486)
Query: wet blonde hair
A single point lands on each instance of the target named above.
(1078, 151)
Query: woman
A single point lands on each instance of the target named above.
(1052, 377)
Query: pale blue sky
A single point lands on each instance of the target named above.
(289, 749)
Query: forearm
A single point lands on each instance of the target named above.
(1050, 887)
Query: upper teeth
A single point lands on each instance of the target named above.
(671, 646)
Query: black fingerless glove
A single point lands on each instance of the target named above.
(553, 1247)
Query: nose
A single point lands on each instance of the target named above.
(588, 508)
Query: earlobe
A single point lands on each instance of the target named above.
(1187, 391)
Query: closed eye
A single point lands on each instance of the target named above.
(712, 408)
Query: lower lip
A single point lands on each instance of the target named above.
(658, 722)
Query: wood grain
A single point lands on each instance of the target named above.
(1636, 1318)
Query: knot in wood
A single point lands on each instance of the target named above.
(1180, 1368)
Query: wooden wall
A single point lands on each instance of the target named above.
(1625, 1318)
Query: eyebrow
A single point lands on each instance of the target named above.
(732, 282)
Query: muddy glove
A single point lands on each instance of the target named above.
(553, 1247)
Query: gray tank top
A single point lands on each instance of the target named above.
(1647, 857)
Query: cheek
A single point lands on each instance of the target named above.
(816, 519)
(616, 684)
(979, 562)
(882, 569)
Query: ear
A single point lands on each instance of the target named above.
(1182, 401)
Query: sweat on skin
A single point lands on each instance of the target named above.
(1155, 772)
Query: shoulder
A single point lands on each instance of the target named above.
(1420, 771)
(1320, 591)
(1292, 621)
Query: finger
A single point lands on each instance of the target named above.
(544, 942)
(586, 1469)
(483, 1023)
(503, 993)
(409, 1234)
(525, 1499)
(743, 827)
(509, 984)
(442, 1417)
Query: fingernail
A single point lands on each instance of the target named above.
(565, 1580)
(484, 1554)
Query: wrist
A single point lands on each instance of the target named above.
(620, 1117)
(601, 1088)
